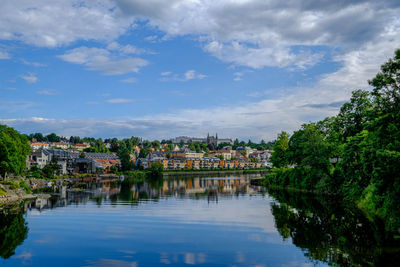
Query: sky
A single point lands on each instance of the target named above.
(158, 69)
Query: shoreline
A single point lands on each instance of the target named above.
(215, 172)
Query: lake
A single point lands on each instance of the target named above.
(209, 221)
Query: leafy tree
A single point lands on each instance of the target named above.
(52, 168)
(75, 140)
(146, 144)
(279, 157)
(124, 156)
(156, 169)
(156, 144)
(53, 138)
(97, 146)
(37, 136)
(354, 114)
(14, 150)
(34, 172)
(144, 152)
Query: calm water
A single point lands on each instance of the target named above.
(198, 221)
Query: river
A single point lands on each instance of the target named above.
(208, 221)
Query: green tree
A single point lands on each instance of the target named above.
(144, 152)
(124, 156)
(354, 114)
(156, 144)
(14, 150)
(279, 157)
(38, 137)
(156, 169)
(53, 138)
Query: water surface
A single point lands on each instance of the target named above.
(220, 221)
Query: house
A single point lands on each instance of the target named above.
(80, 147)
(84, 165)
(39, 158)
(61, 145)
(39, 145)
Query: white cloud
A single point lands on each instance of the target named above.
(51, 24)
(30, 78)
(35, 64)
(191, 74)
(129, 80)
(128, 49)
(187, 76)
(239, 75)
(166, 73)
(120, 100)
(102, 60)
(268, 32)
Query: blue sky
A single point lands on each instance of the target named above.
(159, 69)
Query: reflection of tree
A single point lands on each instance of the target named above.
(331, 232)
(13, 231)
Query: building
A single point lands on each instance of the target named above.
(39, 145)
(80, 147)
(214, 140)
(61, 145)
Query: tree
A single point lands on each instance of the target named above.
(52, 168)
(156, 169)
(97, 146)
(14, 150)
(75, 140)
(124, 156)
(156, 144)
(144, 152)
(354, 115)
(279, 157)
(53, 138)
(38, 137)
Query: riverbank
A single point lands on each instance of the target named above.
(11, 197)
(213, 172)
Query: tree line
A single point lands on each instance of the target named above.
(355, 154)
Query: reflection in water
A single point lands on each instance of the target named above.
(13, 231)
(185, 187)
(222, 221)
(331, 232)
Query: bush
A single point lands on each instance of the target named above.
(12, 184)
(27, 188)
